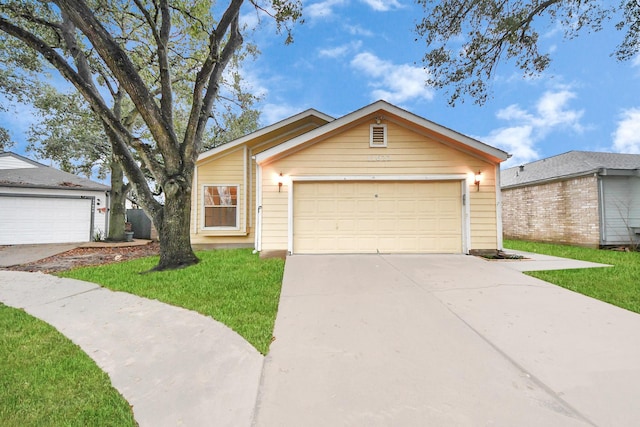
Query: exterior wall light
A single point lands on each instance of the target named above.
(280, 179)
(477, 180)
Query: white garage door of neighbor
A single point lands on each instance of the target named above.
(31, 220)
(371, 217)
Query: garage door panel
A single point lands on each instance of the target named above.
(306, 206)
(365, 225)
(448, 225)
(346, 206)
(387, 207)
(325, 190)
(326, 225)
(347, 226)
(34, 220)
(407, 226)
(447, 205)
(409, 217)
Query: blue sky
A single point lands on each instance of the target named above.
(350, 53)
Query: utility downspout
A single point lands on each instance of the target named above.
(258, 238)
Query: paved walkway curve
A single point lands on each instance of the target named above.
(174, 366)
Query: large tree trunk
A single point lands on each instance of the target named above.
(173, 223)
(117, 207)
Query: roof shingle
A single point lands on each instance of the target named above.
(45, 177)
(573, 163)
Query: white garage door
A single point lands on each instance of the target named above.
(384, 217)
(30, 220)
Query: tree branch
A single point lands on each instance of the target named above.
(191, 150)
(198, 111)
(126, 73)
(162, 43)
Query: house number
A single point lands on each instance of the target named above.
(379, 158)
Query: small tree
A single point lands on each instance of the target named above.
(495, 31)
(131, 51)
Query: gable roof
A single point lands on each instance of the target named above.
(10, 160)
(270, 131)
(18, 171)
(568, 165)
(393, 113)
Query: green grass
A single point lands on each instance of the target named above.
(618, 285)
(235, 287)
(46, 380)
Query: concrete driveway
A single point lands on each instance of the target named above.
(24, 254)
(444, 340)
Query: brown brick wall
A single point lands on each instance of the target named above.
(559, 212)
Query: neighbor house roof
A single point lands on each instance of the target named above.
(568, 165)
(18, 171)
(388, 112)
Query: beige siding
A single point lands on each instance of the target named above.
(408, 153)
(226, 169)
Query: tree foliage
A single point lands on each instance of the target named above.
(152, 72)
(467, 39)
(5, 139)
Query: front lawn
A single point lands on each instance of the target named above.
(235, 287)
(46, 380)
(618, 285)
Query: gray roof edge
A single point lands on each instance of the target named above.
(576, 163)
(96, 187)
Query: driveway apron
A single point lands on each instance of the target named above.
(444, 340)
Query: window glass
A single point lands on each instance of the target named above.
(221, 206)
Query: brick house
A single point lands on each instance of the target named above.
(579, 198)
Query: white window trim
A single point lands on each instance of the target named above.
(221, 228)
(384, 130)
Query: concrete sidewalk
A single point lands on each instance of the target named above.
(539, 262)
(174, 366)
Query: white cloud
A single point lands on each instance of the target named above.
(626, 138)
(383, 5)
(391, 82)
(340, 51)
(322, 9)
(517, 141)
(272, 113)
(550, 113)
(357, 30)
(635, 62)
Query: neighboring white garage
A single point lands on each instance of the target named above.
(377, 217)
(40, 204)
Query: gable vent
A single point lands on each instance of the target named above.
(378, 136)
